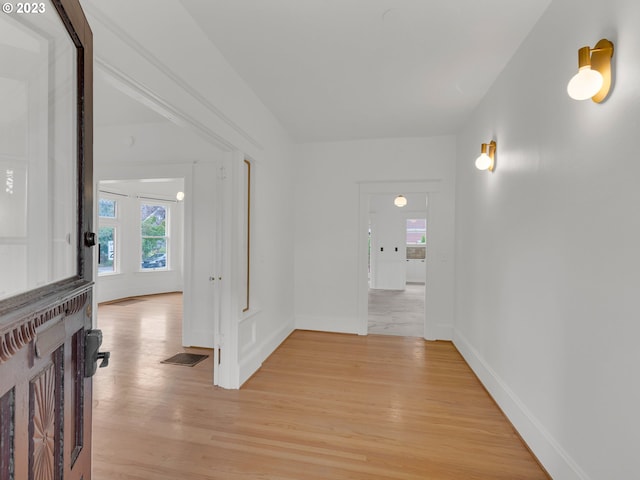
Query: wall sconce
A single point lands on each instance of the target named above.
(400, 201)
(593, 79)
(486, 160)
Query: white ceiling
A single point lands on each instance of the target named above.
(346, 69)
(349, 69)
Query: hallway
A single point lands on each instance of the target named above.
(323, 406)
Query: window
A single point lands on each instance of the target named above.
(107, 239)
(106, 208)
(417, 231)
(416, 238)
(153, 231)
(107, 254)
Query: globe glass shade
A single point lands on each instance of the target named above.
(400, 201)
(585, 84)
(483, 162)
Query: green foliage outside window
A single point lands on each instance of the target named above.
(153, 229)
(106, 243)
(107, 208)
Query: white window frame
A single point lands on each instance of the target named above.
(167, 237)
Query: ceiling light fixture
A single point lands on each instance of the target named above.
(593, 79)
(400, 201)
(486, 160)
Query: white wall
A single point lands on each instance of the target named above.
(146, 145)
(547, 246)
(331, 181)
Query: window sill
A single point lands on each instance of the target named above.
(109, 274)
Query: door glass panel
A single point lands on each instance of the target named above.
(38, 150)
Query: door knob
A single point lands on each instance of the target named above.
(104, 356)
(93, 340)
(89, 239)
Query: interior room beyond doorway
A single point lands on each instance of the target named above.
(397, 264)
(140, 237)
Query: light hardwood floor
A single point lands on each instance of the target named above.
(323, 406)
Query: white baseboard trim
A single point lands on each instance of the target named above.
(249, 365)
(544, 446)
(108, 293)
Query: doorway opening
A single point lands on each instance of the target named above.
(179, 252)
(141, 224)
(141, 238)
(397, 238)
(431, 208)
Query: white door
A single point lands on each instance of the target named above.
(203, 273)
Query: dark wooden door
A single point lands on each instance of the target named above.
(46, 256)
(46, 400)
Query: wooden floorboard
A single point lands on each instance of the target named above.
(323, 406)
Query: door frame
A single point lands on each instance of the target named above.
(227, 212)
(368, 189)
